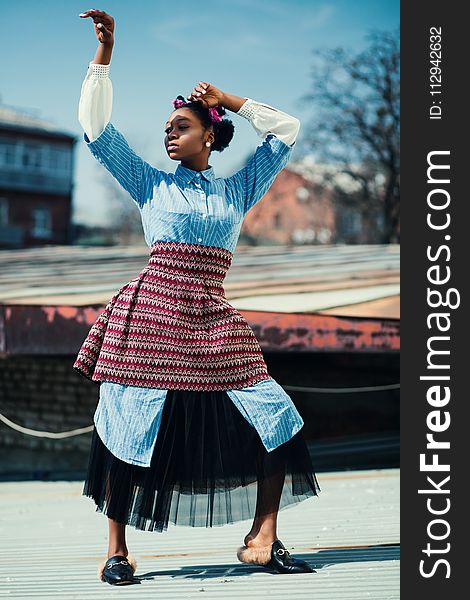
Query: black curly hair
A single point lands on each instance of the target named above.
(223, 130)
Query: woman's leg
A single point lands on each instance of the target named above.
(271, 471)
(117, 539)
(116, 531)
(259, 548)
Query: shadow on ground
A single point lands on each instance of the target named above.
(317, 560)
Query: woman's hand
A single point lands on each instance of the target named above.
(206, 94)
(103, 24)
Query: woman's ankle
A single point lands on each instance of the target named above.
(265, 536)
(117, 551)
(261, 540)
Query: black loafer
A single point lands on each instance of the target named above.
(274, 557)
(118, 570)
(282, 562)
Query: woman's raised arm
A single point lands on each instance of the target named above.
(263, 117)
(105, 142)
(104, 30)
(270, 157)
(96, 98)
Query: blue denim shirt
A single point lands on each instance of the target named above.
(194, 207)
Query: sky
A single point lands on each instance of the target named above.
(251, 48)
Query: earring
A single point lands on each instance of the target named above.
(208, 144)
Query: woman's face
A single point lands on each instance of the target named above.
(185, 136)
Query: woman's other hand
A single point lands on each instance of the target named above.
(206, 94)
(103, 24)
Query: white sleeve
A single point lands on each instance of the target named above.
(96, 100)
(267, 119)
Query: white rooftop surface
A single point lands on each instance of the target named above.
(53, 541)
(315, 301)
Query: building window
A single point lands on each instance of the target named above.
(351, 222)
(31, 158)
(59, 159)
(3, 211)
(7, 153)
(42, 222)
(35, 157)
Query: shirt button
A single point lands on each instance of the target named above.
(199, 239)
(204, 216)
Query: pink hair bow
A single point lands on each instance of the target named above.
(177, 103)
(213, 114)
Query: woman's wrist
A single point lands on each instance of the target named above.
(232, 102)
(104, 53)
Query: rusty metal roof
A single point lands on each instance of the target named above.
(349, 534)
(289, 279)
(338, 297)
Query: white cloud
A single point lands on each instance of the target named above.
(320, 18)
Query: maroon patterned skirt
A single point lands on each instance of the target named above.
(172, 327)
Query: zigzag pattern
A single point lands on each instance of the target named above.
(172, 327)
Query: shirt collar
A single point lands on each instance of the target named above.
(185, 175)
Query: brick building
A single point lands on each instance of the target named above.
(291, 212)
(36, 174)
(300, 208)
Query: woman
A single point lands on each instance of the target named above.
(190, 427)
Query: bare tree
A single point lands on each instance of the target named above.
(356, 102)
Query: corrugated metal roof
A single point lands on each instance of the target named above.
(54, 540)
(340, 279)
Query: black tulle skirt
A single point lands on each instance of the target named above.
(209, 468)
